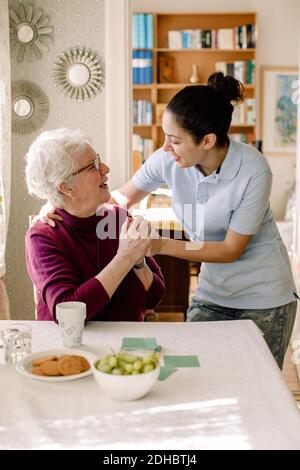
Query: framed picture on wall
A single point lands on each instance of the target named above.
(278, 120)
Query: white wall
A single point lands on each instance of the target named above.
(283, 169)
(117, 90)
(278, 32)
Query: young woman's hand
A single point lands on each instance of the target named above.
(155, 245)
(47, 215)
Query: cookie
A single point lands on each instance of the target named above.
(40, 360)
(70, 365)
(37, 371)
(85, 364)
(50, 368)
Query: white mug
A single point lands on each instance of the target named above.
(70, 317)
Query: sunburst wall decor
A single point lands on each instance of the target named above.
(30, 107)
(29, 32)
(79, 74)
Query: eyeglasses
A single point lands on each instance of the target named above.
(96, 163)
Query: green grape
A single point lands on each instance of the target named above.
(138, 365)
(155, 356)
(112, 361)
(116, 371)
(105, 368)
(147, 360)
(122, 364)
(148, 368)
(122, 356)
(129, 367)
(104, 360)
(130, 358)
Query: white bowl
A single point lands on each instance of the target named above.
(126, 387)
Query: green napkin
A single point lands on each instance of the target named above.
(181, 361)
(129, 344)
(165, 372)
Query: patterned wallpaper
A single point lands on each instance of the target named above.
(76, 23)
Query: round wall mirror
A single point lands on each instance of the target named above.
(29, 32)
(30, 107)
(25, 33)
(79, 74)
(23, 107)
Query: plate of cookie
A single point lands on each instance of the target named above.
(57, 365)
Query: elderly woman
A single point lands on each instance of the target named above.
(95, 254)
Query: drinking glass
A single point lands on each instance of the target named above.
(15, 342)
(70, 317)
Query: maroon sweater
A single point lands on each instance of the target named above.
(63, 260)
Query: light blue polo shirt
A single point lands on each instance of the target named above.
(237, 198)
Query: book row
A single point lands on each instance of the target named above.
(141, 113)
(142, 31)
(241, 37)
(144, 146)
(244, 113)
(241, 70)
(142, 67)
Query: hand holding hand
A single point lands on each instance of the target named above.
(134, 239)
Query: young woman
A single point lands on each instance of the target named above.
(221, 191)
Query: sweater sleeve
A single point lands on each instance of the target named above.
(52, 273)
(157, 290)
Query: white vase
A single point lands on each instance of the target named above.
(194, 77)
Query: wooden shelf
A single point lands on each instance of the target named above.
(244, 126)
(167, 49)
(183, 60)
(232, 127)
(162, 86)
(143, 87)
(141, 125)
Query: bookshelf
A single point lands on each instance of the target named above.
(200, 36)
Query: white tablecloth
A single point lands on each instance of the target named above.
(236, 399)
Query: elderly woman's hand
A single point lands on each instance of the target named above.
(135, 239)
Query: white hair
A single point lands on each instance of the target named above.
(51, 159)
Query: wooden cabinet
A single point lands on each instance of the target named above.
(176, 272)
(176, 64)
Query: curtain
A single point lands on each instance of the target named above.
(5, 130)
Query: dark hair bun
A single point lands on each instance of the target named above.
(230, 88)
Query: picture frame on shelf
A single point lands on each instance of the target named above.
(166, 69)
(279, 96)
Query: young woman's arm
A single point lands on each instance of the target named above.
(226, 251)
(127, 195)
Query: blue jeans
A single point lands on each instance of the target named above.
(275, 323)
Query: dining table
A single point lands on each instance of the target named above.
(232, 397)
